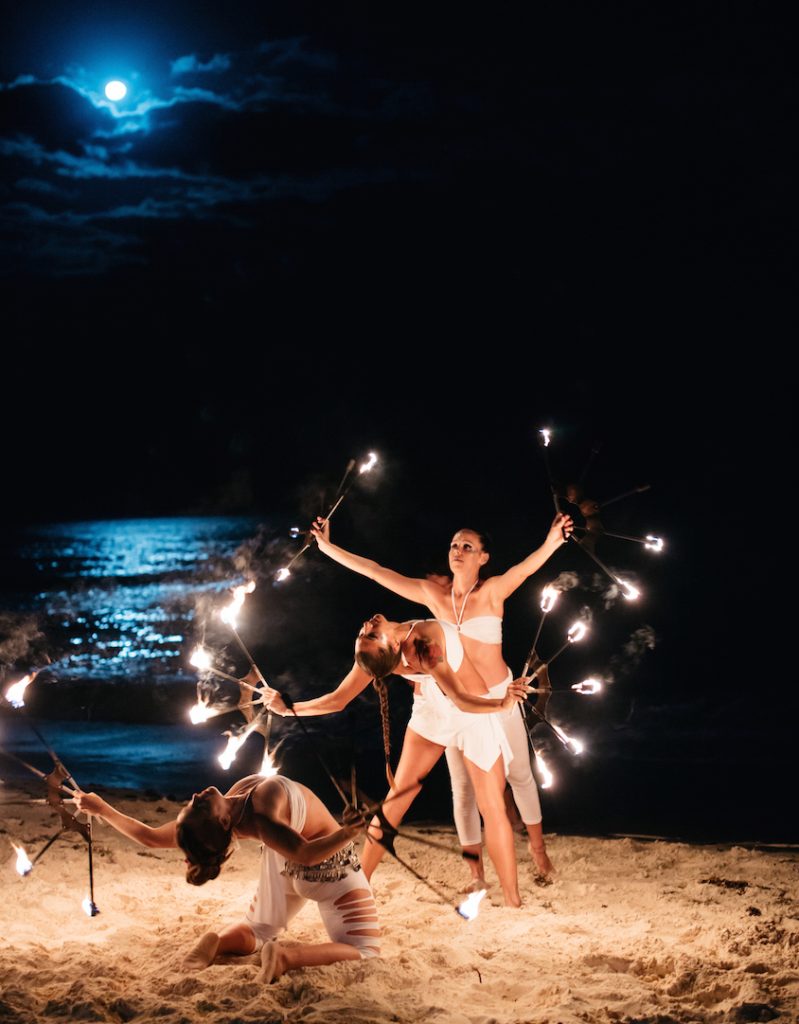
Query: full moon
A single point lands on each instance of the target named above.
(116, 90)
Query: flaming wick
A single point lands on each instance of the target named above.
(575, 634)
(587, 686)
(369, 465)
(268, 767)
(234, 743)
(201, 712)
(202, 659)
(549, 596)
(544, 440)
(15, 694)
(341, 494)
(627, 589)
(650, 543)
(229, 614)
(470, 907)
(572, 744)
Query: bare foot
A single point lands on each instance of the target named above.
(544, 867)
(474, 885)
(202, 954)
(272, 963)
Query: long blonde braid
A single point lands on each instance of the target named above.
(385, 720)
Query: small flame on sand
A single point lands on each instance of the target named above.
(470, 907)
(23, 865)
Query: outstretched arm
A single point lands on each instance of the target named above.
(505, 584)
(412, 589)
(353, 683)
(164, 836)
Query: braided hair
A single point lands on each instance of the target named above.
(380, 664)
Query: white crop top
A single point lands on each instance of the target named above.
(485, 628)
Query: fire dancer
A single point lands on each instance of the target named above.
(306, 855)
(451, 707)
(449, 599)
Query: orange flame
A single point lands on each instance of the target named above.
(201, 712)
(234, 743)
(201, 658)
(229, 615)
(268, 767)
(15, 694)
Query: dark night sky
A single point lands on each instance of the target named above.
(316, 229)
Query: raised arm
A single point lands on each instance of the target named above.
(353, 683)
(411, 589)
(505, 584)
(164, 836)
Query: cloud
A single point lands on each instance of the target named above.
(194, 65)
(274, 122)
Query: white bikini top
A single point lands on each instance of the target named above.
(453, 648)
(485, 628)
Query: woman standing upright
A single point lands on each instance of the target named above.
(474, 606)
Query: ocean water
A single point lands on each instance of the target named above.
(117, 607)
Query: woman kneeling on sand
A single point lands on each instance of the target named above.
(306, 855)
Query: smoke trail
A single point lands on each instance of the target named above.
(566, 581)
(17, 637)
(634, 648)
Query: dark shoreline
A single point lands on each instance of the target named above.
(704, 801)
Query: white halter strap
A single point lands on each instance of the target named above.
(403, 659)
(459, 616)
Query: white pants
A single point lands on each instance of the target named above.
(344, 921)
(519, 775)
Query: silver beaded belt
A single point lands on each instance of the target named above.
(331, 870)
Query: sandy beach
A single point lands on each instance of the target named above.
(631, 930)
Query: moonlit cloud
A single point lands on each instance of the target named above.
(194, 65)
(175, 149)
